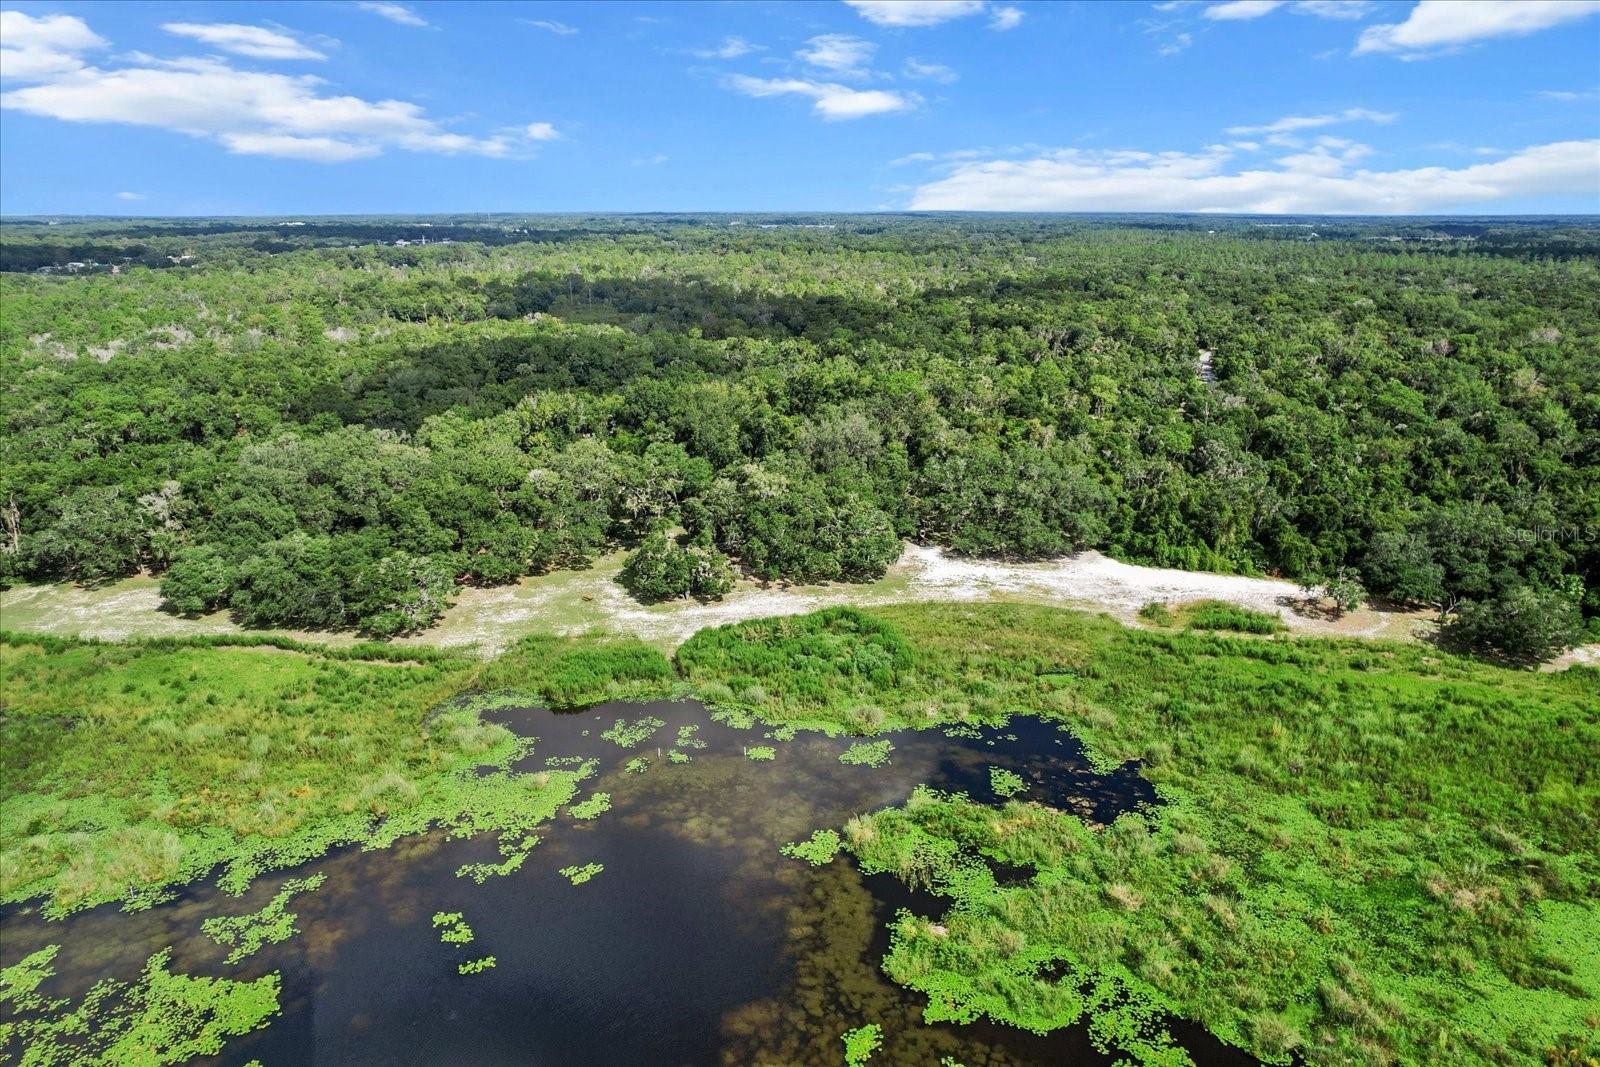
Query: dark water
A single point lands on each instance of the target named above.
(698, 943)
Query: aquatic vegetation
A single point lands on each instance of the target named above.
(638, 764)
(579, 875)
(162, 1018)
(452, 927)
(271, 925)
(1336, 876)
(674, 756)
(861, 1043)
(761, 752)
(1005, 783)
(626, 735)
(817, 849)
(687, 738)
(477, 966)
(867, 754)
(516, 855)
(1219, 615)
(592, 808)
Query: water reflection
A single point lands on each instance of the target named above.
(697, 944)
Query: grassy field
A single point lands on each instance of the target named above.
(1368, 852)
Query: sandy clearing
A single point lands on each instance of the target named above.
(571, 602)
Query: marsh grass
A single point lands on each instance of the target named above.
(1366, 853)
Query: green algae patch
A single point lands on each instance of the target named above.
(579, 875)
(761, 753)
(867, 754)
(477, 966)
(273, 924)
(861, 1043)
(1005, 783)
(161, 1018)
(817, 849)
(453, 928)
(595, 806)
(631, 735)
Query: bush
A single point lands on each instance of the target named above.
(1217, 615)
(1156, 614)
(1524, 623)
(662, 569)
(197, 582)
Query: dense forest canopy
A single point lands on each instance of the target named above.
(332, 422)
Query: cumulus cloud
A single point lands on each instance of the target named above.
(247, 112)
(730, 48)
(839, 54)
(933, 72)
(541, 131)
(35, 48)
(1439, 25)
(1291, 123)
(829, 100)
(393, 12)
(130, 196)
(257, 42)
(1317, 182)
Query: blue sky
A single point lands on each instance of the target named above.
(1251, 105)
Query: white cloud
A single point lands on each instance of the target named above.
(1436, 25)
(730, 48)
(541, 131)
(1176, 44)
(913, 13)
(247, 112)
(914, 157)
(933, 72)
(35, 48)
(130, 196)
(1334, 9)
(560, 29)
(839, 54)
(257, 42)
(393, 12)
(1569, 96)
(1005, 18)
(1291, 123)
(1241, 9)
(831, 101)
(1080, 180)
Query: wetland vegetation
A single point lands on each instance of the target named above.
(1294, 846)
